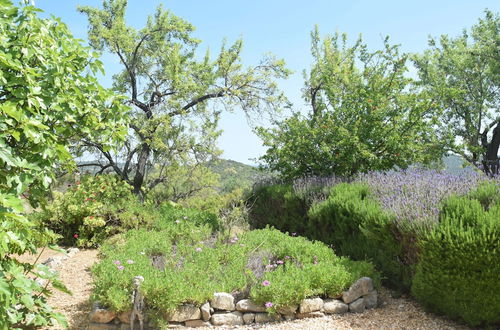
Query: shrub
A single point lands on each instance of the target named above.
(172, 213)
(278, 206)
(459, 267)
(356, 226)
(91, 210)
(293, 266)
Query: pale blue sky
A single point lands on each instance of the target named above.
(283, 28)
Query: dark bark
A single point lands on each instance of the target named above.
(140, 172)
(491, 160)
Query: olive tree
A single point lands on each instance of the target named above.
(176, 95)
(463, 75)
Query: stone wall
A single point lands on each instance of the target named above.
(225, 310)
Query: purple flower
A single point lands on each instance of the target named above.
(266, 283)
(198, 249)
(120, 267)
(117, 262)
(130, 261)
(288, 257)
(294, 234)
(269, 304)
(280, 262)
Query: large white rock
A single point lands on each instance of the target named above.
(246, 305)
(310, 305)
(287, 310)
(196, 323)
(124, 317)
(357, 306)
(371, 299)
(185, 313)
(231, 318)
(309, 315)
(266, 318)
(360, 288)
(205, 311)
(101, 315)
(334, 306)
(223, 301)
(248, 318)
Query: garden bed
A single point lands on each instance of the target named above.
(182, 266)
(224, 309)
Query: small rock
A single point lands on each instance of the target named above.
(125, 317)
(248, 318)
(53, 262)
(266, 318)
(101, 326)
(101, 315)
(223, 301)
(371, 299)
(196, 323)
(232, 318)
(205, 311)
(309, 315)
(72, 251)
(334, 306)
(184, 313)
(360, 288)
(310, 305)
(246, 305)
(288, 310)
(357, 306)
(289, 317)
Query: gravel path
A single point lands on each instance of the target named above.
(392, 313)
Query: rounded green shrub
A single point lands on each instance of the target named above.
(91, 210)
(357, 227)
(278, 206)
(459, 269)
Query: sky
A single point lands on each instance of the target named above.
(283, 27)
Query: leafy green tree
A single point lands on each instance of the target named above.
(48, 98)
(176, 96)
(463, 75)
(365, 114)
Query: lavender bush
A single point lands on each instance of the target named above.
(415, 195)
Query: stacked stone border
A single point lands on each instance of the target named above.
(224, 310)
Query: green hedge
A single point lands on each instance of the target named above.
(458, 273)
(357, 227)
(278, 206)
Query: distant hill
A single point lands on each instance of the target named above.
(234, 174)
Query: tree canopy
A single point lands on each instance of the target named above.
(176, 95)
(49, 97)
(365, 114)
(463, 75)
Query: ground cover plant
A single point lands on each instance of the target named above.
(269, 266)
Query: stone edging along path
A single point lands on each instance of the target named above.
(224, 310)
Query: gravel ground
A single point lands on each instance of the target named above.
(392, 313)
